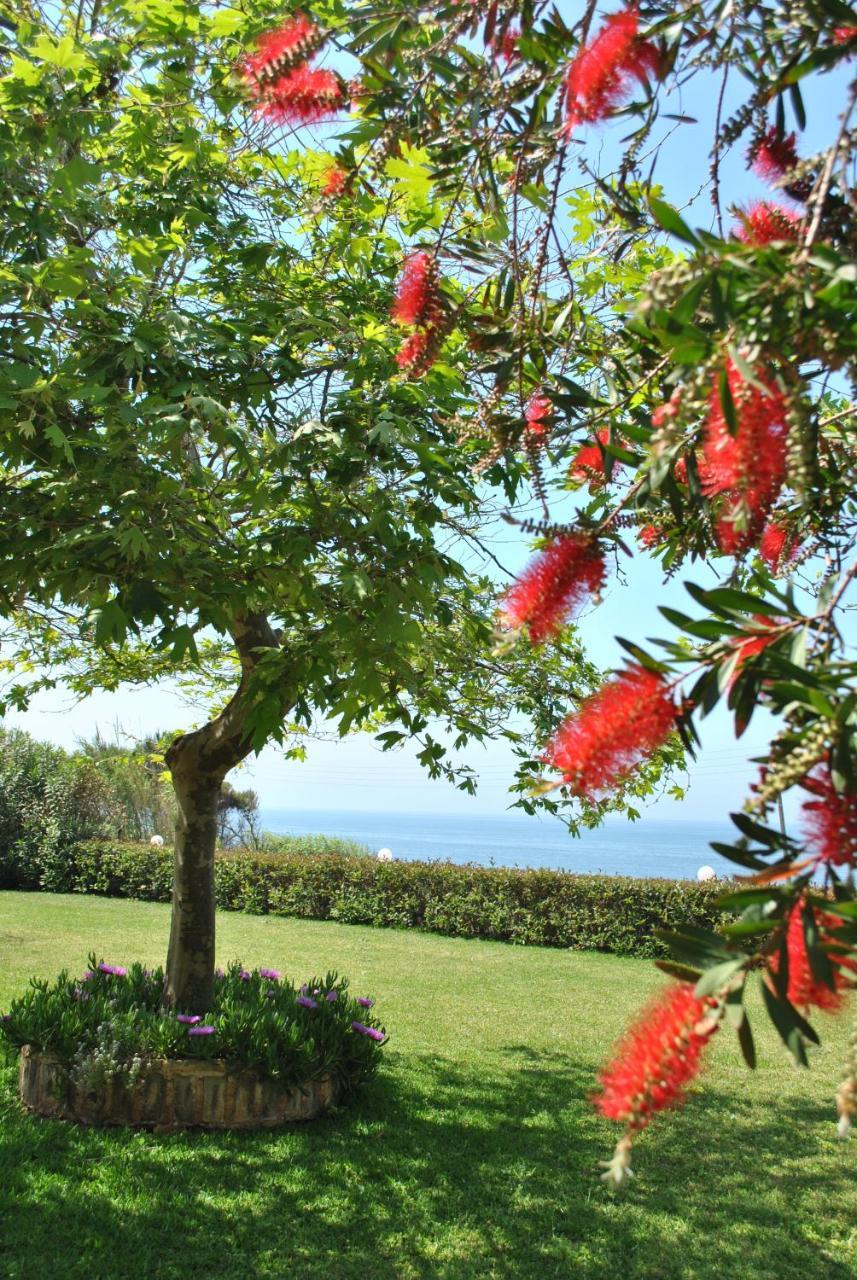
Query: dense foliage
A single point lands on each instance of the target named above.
(702, 404)
(108, 1022)
(695, 392)
(619, 914)
(212, 464)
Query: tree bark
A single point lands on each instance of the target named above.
(199, 762)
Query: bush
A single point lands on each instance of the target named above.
(308, 846)
(49, 802)
(619, 914)
(107, 1023)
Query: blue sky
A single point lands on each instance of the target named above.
(353, 774)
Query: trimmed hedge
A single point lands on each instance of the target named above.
(618, 914)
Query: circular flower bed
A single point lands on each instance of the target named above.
(108, 1034)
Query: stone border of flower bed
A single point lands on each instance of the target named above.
(172, 1094)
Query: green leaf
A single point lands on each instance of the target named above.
(226, 22)
(668, 218)
(745, 1040)
(713, 980)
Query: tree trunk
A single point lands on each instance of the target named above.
(199, 762)
(190, 959)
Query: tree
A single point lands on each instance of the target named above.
(718, 422)
(216, 465)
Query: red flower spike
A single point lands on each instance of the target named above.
(776, 547)
(599, 77)
(830, 820)
(417, 300)
(279, 51)
(554, 586)
(805, 990)
(418, 352)
(538, 415)
(773, 156)
(680, 471)
(303, 96)
(334, 182)
(769, 630)
(658, 1057)
(749, 467)
(649, 536)
(844, 35)
(506, 46)
(765, 223)
(613, 731)
(588, 463)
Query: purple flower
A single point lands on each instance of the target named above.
(365, 1002)
(200, 1031)
(304, 989)
(191, 1019)
(372, 1032)
(271, 974)
(270, 993)
(90, 973)
(115, 969)
(307, 1002)
(244, 975)
(332, 995)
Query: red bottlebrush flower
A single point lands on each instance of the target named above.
(650, 536)
(748, 467)
(538, 415)
(334, 182)
(281, 50)
(844, 35)
(773, 155)
(830, 820)
(768, 630)
(554, 586)
(680, 471)
(805, 990)
(417, 300)
(417, 353)
(303, 96)
(658, 1057)
(764, 223)
(506, 45)
(599, 76)
(613, 731)
(588, 463)
(776, 547)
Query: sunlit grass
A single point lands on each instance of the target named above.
(474, 1153)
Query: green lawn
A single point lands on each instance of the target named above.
(474, 1152)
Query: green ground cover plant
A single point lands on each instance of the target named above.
(112, 1018)
(472, 1152)
(532, 907)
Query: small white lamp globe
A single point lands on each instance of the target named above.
(157, 842)
(385, 855)
(706, 873)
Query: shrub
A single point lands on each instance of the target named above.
(619, 914)
(306, 846)
(107, 1023)
(49, 802)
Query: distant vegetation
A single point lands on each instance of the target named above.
(51, 800)
(533, 907)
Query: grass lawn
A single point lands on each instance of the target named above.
(473, 1153)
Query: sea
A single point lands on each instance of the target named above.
(674, 850)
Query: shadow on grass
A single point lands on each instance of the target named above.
(432, 1172)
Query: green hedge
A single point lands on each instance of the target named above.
(532, 907)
